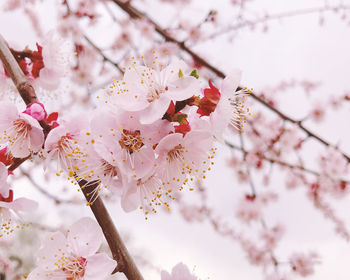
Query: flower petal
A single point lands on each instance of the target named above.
(85, 237)
(99, 266)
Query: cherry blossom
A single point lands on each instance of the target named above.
(150, 90)
(230, 107)
(303, 264)
(179, 157)
(122, 141)
(20, 132)
(62, 144)
(74, 255)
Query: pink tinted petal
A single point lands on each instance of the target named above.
(20, 149)
(42, 274)
(184, 88)
(104, 152)
(231, 82)
(36, 139)
(49, 79)
(199, 138)
(143, 161)
(135, 98)
(53, 137)
(102, 122)
(154, 132)
(30, 120)
(85, 236)
(155, 110)
(20, 204)
(99, 266)
(130, 199)
(53, 249)
(8, 113)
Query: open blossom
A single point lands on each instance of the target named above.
(179, 157)
(73, 256)
(333, 163)
(62, 144)
(251, 208)
(151, 91)
(230, 109)
(179, 272)
(20, 132)
(124, 142)
(271, 236)
(303, 264)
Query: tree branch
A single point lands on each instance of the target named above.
(117, 247)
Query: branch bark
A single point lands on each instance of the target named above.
(117, 247)
(137, 14)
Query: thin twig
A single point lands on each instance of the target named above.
(56, 199)
(283, 163)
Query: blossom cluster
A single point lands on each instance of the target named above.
(151, 135)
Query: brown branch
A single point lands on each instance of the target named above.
(118, 249)
(136, 14)
(24, 88)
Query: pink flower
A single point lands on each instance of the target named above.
(249, 209)
(318, 112)
(333, 163)
(62, 144)
(20, 132)
(122, 141)
(73, 256)
(181, 157)
(150, 90)
(230, 109)
(303, 264)
(147, 193)
(179, 272)
(271, 236)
